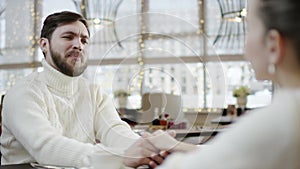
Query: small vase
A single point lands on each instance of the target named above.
(122, 102)
(242, 101)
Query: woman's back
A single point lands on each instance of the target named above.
(266, 138)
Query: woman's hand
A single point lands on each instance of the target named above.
(166, 141)
(142, 152)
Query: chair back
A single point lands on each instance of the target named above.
(169, 102)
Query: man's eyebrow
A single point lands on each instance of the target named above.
(85, 36)
(73, 33)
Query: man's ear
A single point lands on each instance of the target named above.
(43, 42)
(275, 46)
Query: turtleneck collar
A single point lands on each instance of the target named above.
(59, 81)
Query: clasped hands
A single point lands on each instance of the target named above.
(152, 149)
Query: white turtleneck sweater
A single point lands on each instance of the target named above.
(51, 118)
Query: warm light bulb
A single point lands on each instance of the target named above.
(244, 12)
(96, 21)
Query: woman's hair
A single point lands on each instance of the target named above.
(283, 16)
(58, 19)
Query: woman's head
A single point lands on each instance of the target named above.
(273, 28)
(283, 16)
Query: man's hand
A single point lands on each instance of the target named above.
(142, 152)
(166, 141)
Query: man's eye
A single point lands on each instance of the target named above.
(84, 41)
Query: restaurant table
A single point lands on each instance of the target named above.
(179, 133)
(33, 166)
(224, 120)
(194, 133)
(17, 166)
(28, 166)
(184, 133)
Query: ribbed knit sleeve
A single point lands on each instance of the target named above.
(112, 131)
(25, 115)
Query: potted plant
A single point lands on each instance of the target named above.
(121, 95)
(241, 94)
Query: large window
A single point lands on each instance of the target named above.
(167, 46)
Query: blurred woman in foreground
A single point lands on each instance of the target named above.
(267, 138)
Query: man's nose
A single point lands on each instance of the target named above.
(77, 44)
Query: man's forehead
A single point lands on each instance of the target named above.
(77, 28)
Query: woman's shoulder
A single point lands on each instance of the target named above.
(281, 116)
(287, 101)
(278, 117)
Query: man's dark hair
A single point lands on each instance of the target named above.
(58, 19)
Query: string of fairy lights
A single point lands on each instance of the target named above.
(31, 42)
(141, 42)
(35, 13)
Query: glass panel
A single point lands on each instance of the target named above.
(236, 74)
(178, 79)
(114, 39)
(19, 47)
(115, 77)
(9, 77)
(186, 11)
(185, 79)
(2, 25)
(173, 47)
(173, 28)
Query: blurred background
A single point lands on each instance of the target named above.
(191, 48)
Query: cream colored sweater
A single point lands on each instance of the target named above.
(51, 118)
(266, 138)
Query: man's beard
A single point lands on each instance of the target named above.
(64, 67)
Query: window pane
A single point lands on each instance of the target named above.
(9, 77)
(186, 80)
(236, 74)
